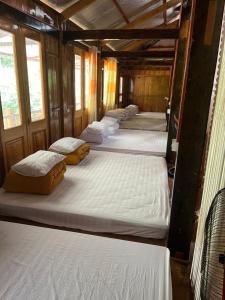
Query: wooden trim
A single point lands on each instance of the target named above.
(24, 19)
(138, 64)
(120, 10)
(75, 8)
(128, 54)
(119, 34)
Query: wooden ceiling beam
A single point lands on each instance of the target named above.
(138, 43)
(75, 8)
(120, 10)
(129, 54)
(119, 34)
(145, 17)
(135, 65)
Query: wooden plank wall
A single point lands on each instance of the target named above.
(151, 86)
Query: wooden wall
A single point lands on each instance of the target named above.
(151, 86)
(37, 9)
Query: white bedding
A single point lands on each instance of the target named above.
(47, 264)
(151, 115)
(135, 142)
(141, 123)
(106, 192)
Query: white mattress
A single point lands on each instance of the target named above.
(106, 192)
(135, 142)
(47, 264)
(151, 115)
(141, 123)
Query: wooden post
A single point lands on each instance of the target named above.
(203, 59)
(179, 77)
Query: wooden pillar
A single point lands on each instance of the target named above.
(2, 167)
(179, 76)
(206, 36)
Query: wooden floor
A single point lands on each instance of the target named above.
(180, 280)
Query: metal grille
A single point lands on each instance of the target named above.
(212, 268)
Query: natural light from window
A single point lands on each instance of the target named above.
(121, 90)
(87, 81)
(8, 81)
(78, 82)
(33, 54)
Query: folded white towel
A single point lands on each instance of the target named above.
(97, 128)
(92, 138)
(120, 114)
(109, 120)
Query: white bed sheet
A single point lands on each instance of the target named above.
(151, 115)
(135, 142)
(141, 123)
(40, 263)
(106, 192)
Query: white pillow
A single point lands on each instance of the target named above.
(66, 145)
(38, 164)
(92, 138)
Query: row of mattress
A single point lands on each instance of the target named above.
(100, 192)
(106, 192)
(106, 135)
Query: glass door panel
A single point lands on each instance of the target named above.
(35, 79)
(9, 84)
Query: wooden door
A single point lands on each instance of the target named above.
(53, 87)
(34, 83)
(13, 118)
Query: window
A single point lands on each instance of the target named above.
(121, 89)
(131, 90)
(34, 70)
(8, 81)
(77, 82)
(87, 80)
